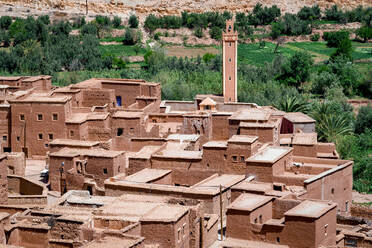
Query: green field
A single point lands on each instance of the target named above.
(120, 50)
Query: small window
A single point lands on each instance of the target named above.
(229, 78)
(242, 159)
(5, 138)
(229, 44)
(18, 138)
(40, 136)
(55, 117)
(22, 117)
(39, 117)
(72, 133)
(255, 220)
(207, 107)
(346, 206)
(46, 145)
(50, 136)
(229, 59)
(332, 191)
(119, 132)
(277, 239)
(131, 130)
(325, 229)
(104, 170)
(260, 218)
(234, 158)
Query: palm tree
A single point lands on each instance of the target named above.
(292, 104)
(332, 127)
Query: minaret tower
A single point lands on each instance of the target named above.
(230, 62)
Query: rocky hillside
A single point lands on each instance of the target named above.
(64, 8)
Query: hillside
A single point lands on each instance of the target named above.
(63, 8)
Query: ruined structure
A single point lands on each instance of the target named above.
(127, 169)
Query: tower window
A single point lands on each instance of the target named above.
(55, 117)
(40, 136)
(229, 44)
(22, 117)
(39, 117)
(119, 132)
(229, 59)
(50, 136)
(72, 133)
(229, 78)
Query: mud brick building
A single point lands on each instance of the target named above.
(128, 169)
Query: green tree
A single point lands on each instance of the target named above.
(215, 33)
(297, 69)
(364, 33)
(116, 22)
(292, 104)
(5, 22)
(198, 32)
(133, 21)
(364, 119)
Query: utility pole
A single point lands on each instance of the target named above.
(86, 7)
(221, 211)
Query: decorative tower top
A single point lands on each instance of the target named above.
(230, 62)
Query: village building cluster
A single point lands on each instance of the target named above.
(128, 169)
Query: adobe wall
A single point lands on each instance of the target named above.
(35, 145)
(198, 124)
(23, 186)
(27, 200)
(97, 97)
(238, 225)
(220, 127)
(265, 135)
(3, 182)
(166, 234)
(128, 92)
(136, 144)
(16, 163)
(325, 147)
(5, 125)
(325, 228)
(304, 127)
(54, 170)
(280, 206)
(32, 237)
(77, 131)
(304, 150)
(359, 210)
(137, 164)
(336, 186)
(214, 158)
(66, 229)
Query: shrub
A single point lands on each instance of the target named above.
(276, 30)
(151, 23)
(309, 13)
(297, 69)
(364, 33)
(334, 39)
(133, 21)
(364, 119)
(215, 33)
(263, 16)
(335, 14)
(208, 57)
(116, 22)
(5, 22)
(79, 22)
(44, 19)
(322, 81)
(89, 29)
(344, 49)
(292, 25)
(157, 36)
(103, 20)
(130, 37)
(315, 37)
(198, 32)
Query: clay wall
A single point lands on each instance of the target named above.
(265, 135)
(180, 105)
(165, 118)
(136, 144)
(3, 181)
(198, 125)
(97, 97)
(77, 131)
(220, 127)
(37, 138)
(305, 150)
(16, 163)
(167, 234)
(54, 170)
(325, 147)
(32, 237)
(127, 92)
(5, 128)
(137, 164)
(22, 186)
(130, 127)
(238, 225)
(329, 187)
(214, 158)
(280, 206)
(66, 229)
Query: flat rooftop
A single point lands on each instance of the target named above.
(42, 98)
(249, 202)
(69, 152)
(71, 142)
(145, 152)
(225, 180)
(127, 114)
(165, 213)
(247, 139)
(216, 144)
(147, 175)
(250, 115)
(270, 154)
(240, 243)
(298, 117)
(113, 242)
(183, 137)
(310, 209)
(181, 154)
(260, 187)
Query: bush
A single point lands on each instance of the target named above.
(151, 23)
(131, 37)
(335, 14)
(89, 29)
(364, 119)
(292, 25)
(215, 33)
(315, 37)
(309, 13)
(364, 33)
(116, 22)
(5, 22)
(263, 16)
(297, 69)
(322, 81)
(334, 39)
(157, 36)
(198, 32)
(344, 49)
(276, 30)
(103, 20)
(208, 57)
(79, 22)
(44, 19)
(133, 21)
